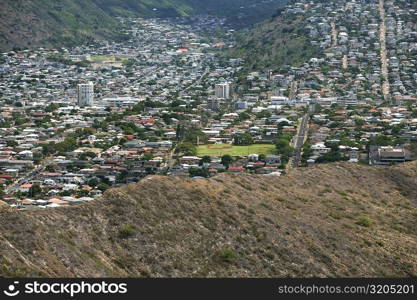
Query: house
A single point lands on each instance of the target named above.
(19, 164)
(273, 159)
(388, 155)
(236, 169)
(26, 154)
(319, 149)
(190, 160)
(24, 188)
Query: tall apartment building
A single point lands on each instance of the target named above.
(222, 90)
(85, 94)
(213, 103)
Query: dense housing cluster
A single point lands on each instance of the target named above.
(169, 100)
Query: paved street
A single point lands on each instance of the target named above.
(299, 141)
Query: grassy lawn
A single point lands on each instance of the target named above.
(106, 58)
(223, 149)
(103, 58)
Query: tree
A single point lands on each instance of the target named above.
(195, 172)
(187, 148)
(243, 139)
(86, 155)
(226, 160)
(205, 159)
(263, 114)
(382, 140)
(51, 107)
(35, 190)
(180, 132)
(103, 187)
(12, 143)
(284, 148)
(244, 116)
(93, 182)
(359, 122)
(281, 126)
(331, 156)
(1, 190)
(147, 156)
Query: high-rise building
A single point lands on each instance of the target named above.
(85, 94)
(213, 103)
(222, 90)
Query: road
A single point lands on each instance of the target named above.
(345, 62)
(169, 161)
(299, 141)
(28, 177)
(198, 81)
(293, 90)
(334, 34)
(384, 58)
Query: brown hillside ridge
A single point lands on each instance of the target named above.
(339, 220)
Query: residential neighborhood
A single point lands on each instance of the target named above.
(168, 99)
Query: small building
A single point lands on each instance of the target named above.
(388, 155)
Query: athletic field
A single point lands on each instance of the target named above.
(223, 149)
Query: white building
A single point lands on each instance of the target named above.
(85, 94)
(120, 101)
(222, 90)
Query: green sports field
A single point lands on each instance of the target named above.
(223, 149)
(106, 58)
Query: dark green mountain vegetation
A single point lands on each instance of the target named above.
(32, 23)
(281, 40)
(239, 13)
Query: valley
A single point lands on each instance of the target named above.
(185, 138)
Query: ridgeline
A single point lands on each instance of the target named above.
(356, 221)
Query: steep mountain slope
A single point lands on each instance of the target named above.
(355, 221)
(239, 13)
(164, 8)
(281, 40)
(29, 23)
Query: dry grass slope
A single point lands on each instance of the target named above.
(328, 221)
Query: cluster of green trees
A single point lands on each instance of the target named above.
(186, 148)
(243, 139)
(69, 144)
(195, 172)
(101, 184)
(307, 153)
(332, 156)
(61, 59)
(283, 144)
(190, 134)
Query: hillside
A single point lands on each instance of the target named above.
(239, 13)
(356, 221)
(281, 40)
(31, 23)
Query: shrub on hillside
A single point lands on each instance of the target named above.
(365, 222)
(127, 231)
